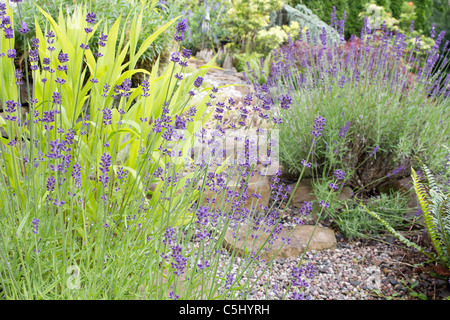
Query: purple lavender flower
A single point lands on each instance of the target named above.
(175, 57)
(339, 174)
(318, 126)
(179, 262)
(173, 296)
(180, 29)
(343, 131)
(56, 98)
(62, 68)
(324, 204)
(35, 42)
(306, 163)
(24, 29)
(323, 37)
(107, 116)
(11, 53)
(298, 296)
(411, 27)
(18, 77)
(50, 35)
(180, 123)
(286, 101)
(229, 281)
(146, 88)
(374, 151)
(90, 17)
(9, 33)
(55, 150)
(51, 184)
(198, 82)
(333, 17)
(105, 165)
(63, 57)
(202, 215)
(106, 88)
(203, 266)
(396, 171)
(169, 236)
(186, 53)
(102, 40)
(58, 203)
(35, 224)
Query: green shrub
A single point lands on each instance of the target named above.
(441, 17)
(355, 222)
(246, 17)
(207, 25)
(324, 8)
(110, 11)
(255, 66)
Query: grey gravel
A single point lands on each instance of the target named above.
(349, 272)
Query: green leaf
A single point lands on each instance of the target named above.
(147, 42)
(22, 224)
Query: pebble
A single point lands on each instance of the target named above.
(341, 274)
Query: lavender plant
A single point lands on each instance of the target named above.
(382, 105)
(82, 216)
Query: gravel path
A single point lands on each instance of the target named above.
(353, 271)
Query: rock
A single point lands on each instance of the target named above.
(304, 192)
(205, 55)
(354, 283)
(228, 63)
(346, 193)
(374, 280)
(404, 186)
(195, 63)
(256, 185)
(244, 244)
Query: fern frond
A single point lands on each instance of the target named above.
(444, 224)
(431, 181)
(429, 218)
(398, 235)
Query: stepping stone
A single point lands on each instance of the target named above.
(244, 244)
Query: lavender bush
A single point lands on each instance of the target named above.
(382, 105)
(95, 201)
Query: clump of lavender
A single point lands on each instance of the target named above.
(346, 83)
